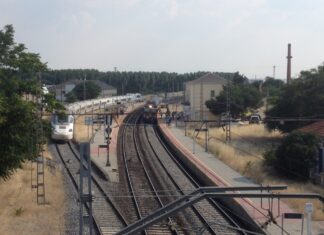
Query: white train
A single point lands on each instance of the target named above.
(62, 128)
(87, 105)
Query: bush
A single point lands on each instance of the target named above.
(296, 156)
(270, 157)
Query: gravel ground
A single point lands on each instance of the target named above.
(71, 205)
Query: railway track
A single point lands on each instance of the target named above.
(215, 217)
(107, 218)
(145, 198)
(154, 178)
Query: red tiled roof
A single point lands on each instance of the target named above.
(316, 128)
(209, 78)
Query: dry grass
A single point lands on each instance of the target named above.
(244, 154)
(20, 213)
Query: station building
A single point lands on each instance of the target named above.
(198, 91)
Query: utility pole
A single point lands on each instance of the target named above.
(274, 72)
(228, 114)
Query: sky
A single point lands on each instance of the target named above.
(249, 36)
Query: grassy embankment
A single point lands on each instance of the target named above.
(19, 212)
(244, 154)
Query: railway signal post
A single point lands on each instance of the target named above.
(108, 120)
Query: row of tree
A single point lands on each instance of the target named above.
(128, 82)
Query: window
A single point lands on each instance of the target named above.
(212, 93)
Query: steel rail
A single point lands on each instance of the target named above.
(153, 188)
(201, 217)
(104, 194)
(192, 180)
(134, 117)
(129, 182)
(96, 225)
(196, 185)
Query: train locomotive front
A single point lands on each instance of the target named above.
(62, 127)
(149, 113)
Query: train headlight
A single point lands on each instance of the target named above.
(70, 130)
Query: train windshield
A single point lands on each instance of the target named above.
(63, 119)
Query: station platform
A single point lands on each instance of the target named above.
(223, 175)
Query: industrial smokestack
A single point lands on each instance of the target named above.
(289, 64)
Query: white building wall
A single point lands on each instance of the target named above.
(195, 99)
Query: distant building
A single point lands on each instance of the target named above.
(64, 88)
(198, 91)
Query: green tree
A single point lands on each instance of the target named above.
(71, 97)
(242, 97)
(18, 76)
(272, 86)
(51, 103)
(88, 89)
(302, 98)
(239, 79)
(296, 155)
